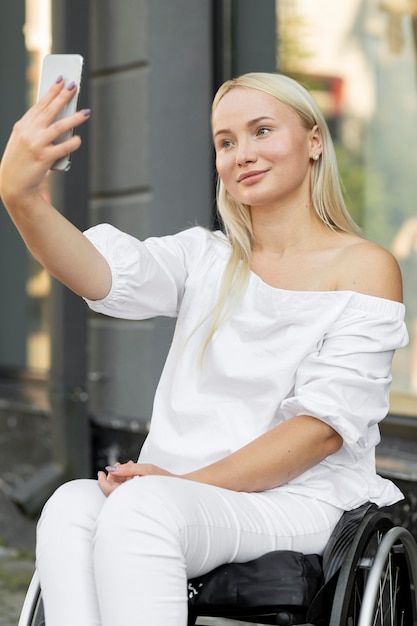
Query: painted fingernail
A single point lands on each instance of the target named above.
(71, 86)
(110, 468)
(59, 79)
(86, 112)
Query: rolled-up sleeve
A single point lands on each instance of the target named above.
(345, 382)
(148, 277)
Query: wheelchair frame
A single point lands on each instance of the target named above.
(371, 578)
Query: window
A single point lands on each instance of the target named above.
(358, 59)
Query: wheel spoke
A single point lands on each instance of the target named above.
(386, 611)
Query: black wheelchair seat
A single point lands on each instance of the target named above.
(285, 579)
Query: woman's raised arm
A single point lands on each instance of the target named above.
(57, 244)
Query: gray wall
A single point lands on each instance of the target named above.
(150, 167)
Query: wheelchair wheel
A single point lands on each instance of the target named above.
(380, 570)
(32, 610)
(390, 592)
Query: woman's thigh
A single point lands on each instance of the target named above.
(63, 553)
(205, 525)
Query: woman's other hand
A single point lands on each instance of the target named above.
(120, 473)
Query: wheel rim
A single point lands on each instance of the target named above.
(390, 593)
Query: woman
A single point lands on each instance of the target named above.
(265, 418)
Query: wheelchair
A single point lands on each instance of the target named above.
(367, 576)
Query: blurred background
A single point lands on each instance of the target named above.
(76, 388)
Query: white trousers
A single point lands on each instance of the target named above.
(124, 560)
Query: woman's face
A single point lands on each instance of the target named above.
(263, 151)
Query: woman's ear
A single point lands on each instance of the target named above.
(316, 146)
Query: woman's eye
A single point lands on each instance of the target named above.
(263, 131)
(226, 143)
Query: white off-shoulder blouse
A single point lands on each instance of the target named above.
(282, 353)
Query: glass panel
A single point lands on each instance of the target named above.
(359, 60)
(38, 286)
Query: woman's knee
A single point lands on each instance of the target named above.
(76, 499)
(139, 528)
(147, 495)
(143, 506)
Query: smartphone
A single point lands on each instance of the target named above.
(70, 67)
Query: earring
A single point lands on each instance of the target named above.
(316, 156)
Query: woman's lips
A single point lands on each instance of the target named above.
(252, 177)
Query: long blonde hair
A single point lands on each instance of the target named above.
(326, 190)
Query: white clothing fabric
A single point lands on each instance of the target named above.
(126, 559)
(281, 353)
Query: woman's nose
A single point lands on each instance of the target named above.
(245, 153)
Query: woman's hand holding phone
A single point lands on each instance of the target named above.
(40, 140)
(32, 149)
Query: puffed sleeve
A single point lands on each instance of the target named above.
(346, 381)
(148, 277)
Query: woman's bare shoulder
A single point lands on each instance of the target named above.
(368, 268)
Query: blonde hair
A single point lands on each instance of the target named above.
(326, 190)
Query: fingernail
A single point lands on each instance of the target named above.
(59, 79)
(71, 86)
(110, 468)
(86, 112)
